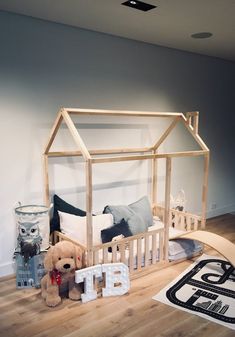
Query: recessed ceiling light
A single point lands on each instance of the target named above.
(142, 6)
(202, 35)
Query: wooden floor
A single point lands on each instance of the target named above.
(23, 313)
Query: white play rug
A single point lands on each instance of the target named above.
(206, 289)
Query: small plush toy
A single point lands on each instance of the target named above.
(60, 262)
(29, 240)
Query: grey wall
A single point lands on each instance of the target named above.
(44, 66)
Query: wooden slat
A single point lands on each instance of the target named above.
(154, 180)
(177, 212)
(131, 256)
(189, 120)
(105, 255)
(193, 120)
(54, 238)
(205, 189)
(165, 134)
(167, 206)
(46, 181)
(96, 257)
(89, 211)
(182, 222)
(124, 240)
(195, 124)
(54, 131)
(160, 248)
(139, 254)
(188, 222)
(64, 153)
(114, 253)
(122, 113)
(195, 136)
(154, 248)
(195, 225)
(98, 152)
(176, 219)
(149, 156)
(75, 135)
(146, 250)
(122, 252)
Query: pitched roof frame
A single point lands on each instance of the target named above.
(190, 121)
(64, 115)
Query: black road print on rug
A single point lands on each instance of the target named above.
(211, 287)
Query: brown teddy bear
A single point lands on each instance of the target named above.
(60, 262)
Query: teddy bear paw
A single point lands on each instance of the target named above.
(44, 294)
(75, 296)
(53, 301)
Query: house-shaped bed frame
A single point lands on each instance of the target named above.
(145, 255)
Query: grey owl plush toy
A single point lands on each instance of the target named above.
(29, 239)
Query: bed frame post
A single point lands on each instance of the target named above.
(193, 120)
(167, 206)
(89, 212)
(205, 189)
(52, 136)
(154, 182)
(46, 180)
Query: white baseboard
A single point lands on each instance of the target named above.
(220, 211)
(7, 269)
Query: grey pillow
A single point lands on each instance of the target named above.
(136, 224)
(138, 215)
(143, 209)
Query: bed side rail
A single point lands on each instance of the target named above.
(137, 251)
(180, 219)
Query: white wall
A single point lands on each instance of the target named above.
(44, 66)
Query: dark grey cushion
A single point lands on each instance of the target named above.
(109, 233)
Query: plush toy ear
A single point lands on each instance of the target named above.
(79, 257)
(48, 261)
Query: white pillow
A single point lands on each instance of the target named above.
(74, 226)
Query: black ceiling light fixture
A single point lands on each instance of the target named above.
(201, 35)
(142, 6)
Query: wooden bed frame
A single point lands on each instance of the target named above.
(170, 217)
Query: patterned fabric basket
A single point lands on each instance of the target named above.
(32, 241)
(29, 274)
(33, 226)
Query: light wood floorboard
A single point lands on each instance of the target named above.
(23, 313)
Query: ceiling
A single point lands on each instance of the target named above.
(170, 24)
